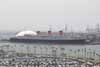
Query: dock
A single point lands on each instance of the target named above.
(73, 58)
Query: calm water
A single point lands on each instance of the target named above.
(47, 48)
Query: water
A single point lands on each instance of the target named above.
(43, 49)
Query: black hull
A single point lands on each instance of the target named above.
(80, 41)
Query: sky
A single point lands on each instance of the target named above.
(43, 14)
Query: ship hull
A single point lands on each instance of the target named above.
(78, 41)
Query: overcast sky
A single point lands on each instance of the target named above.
(40, 14)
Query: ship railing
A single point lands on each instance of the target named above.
(53, 37)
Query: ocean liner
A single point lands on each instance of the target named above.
(49, 37)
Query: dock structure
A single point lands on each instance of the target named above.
(47, 62)
(72, 58)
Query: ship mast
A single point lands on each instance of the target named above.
(50, 28)
(66, 28)
(98, 25)
(88, 29)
